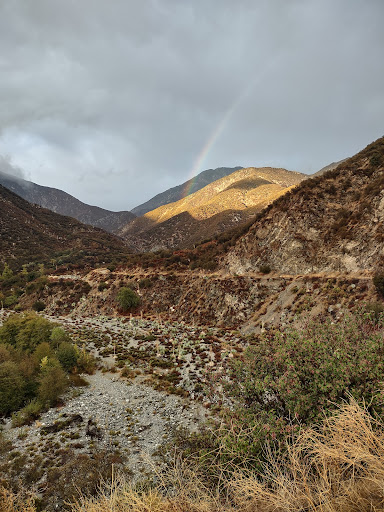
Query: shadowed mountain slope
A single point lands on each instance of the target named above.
(31, 233)
(333, 222)
(65, 204)
(219, 206)
(189, 187)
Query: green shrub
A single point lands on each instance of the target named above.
(38, 306)
(265, 269)
(11, 387)
(295, 375)
(67, 356)
(102, 286)
(145, 283)
(27, 414)
(86, 363)
(53, 382)
(127, 299)
(10, 301)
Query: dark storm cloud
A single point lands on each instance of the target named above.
(115, 101)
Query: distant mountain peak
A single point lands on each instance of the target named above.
(187, 188)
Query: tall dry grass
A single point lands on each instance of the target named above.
(338, 467)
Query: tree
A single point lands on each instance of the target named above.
(11, 387)
(7, 272)
(127, 299)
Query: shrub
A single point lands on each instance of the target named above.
(265, 269)
(38, 306)
(102, 286)
(294, 376)
(127, 299)
(67, 356)
(145, 283)
(10, 301)
(378, 281)
(27, 414)
(85, 362)
(53, 382)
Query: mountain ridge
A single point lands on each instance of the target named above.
(31, 233)
(219, 206)
(331, 222)
(63, 203)
(178, 192)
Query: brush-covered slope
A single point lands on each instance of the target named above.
(189, 187)
(333, 222)
(65, 204)
(31, 233)
(219, 206)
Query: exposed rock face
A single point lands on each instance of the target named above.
(189, 187)
(65, 204)
(333, 222)
(220, 206)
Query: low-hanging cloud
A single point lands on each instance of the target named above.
(116, 101)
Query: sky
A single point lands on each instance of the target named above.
(116, 101)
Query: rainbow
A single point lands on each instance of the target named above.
(219, 128)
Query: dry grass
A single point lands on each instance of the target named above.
(10, 502)
(338, 467)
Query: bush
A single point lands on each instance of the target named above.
(27, 414)
(378, 281)
(265, 269)
(38, 306)
(294, 376)
(67, 356)
(53, 382)
(102, 286)
(127, 299)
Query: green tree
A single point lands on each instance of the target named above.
(52, 383)
(11, 387)
(127, 299)
(25, 331)
(7, 272)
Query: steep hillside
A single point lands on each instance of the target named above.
(31, 233)
(189, 187)
(65, 204)
(332, 222)
(219, 206)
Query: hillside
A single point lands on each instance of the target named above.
(332, 222)
(188, 187)
(65, 204)
(221, 205)
(31, 233)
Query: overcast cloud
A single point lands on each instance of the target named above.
(114, 101)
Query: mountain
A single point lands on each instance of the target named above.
(219, 206)
(31, 233)
(189, 187)
(330, 223)
(65, 204)
(328, 167)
